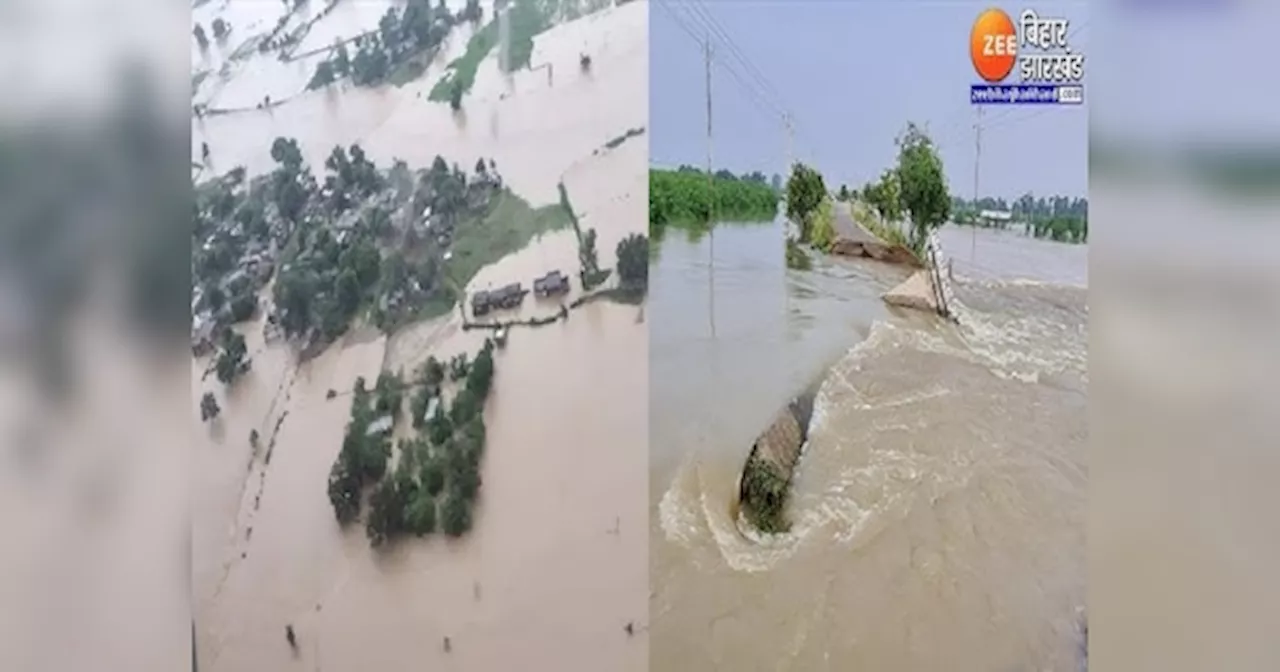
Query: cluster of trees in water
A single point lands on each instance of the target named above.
(1060, 218)
(436, 479)
(221, 29)
(684, 197)
(335, 272)
(400, 37)
(366, 241)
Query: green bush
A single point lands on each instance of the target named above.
(823, 234)
(797, 258)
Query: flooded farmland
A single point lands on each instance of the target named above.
(555, 567)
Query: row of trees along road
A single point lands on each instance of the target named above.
(916, 188)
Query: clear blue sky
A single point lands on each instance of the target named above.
(853, 73)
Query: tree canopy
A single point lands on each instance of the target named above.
(633, 260)
(805, 191)
(924, 187)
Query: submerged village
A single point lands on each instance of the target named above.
(383, 248)
(359, 308)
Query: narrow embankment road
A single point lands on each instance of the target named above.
(849, 229)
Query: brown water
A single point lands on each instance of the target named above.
(938, 515)
(556, 564)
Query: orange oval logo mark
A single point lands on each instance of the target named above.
(993, 45)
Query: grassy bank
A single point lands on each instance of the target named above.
(463, 69)
(509, 226)
(528, 18)
(681, 198)
(889, 233)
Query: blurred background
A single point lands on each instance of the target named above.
(1185, 336)
(95, 411)
(94, 312)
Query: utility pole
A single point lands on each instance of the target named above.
(977, 158)
(791, 139)
(711, 200)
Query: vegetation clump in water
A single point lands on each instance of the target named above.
(763, 496)
(398, 51)
(797, 258)
(680, 198)
(232, 360)
(436, 480)
(209, 408)
(526, 19)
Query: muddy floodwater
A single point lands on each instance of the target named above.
(555, 567)
(938, 509)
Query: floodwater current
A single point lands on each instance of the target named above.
(938, 508)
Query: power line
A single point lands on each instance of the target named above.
(735, 51)
(757, 87)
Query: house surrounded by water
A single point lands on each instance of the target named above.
(551, 284)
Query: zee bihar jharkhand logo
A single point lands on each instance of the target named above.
(994, 44)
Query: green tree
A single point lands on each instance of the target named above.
(440, 428)
(231, 360)
(455, 514)
(344, 490)
(587, 252)
(341, 60)
(633, 260)
(885, 196)
(209, 408)
(324, 76)
(924, 186)
(455, 94)
(475, 432)
(480, 377)
(285, 152)
(432, 476)
(387, 506)
(432, 372)
(465, 407)
(243, 307)
(805, 191)
(420, 517)
(347, 291)
(215, 298)
(844, 193)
